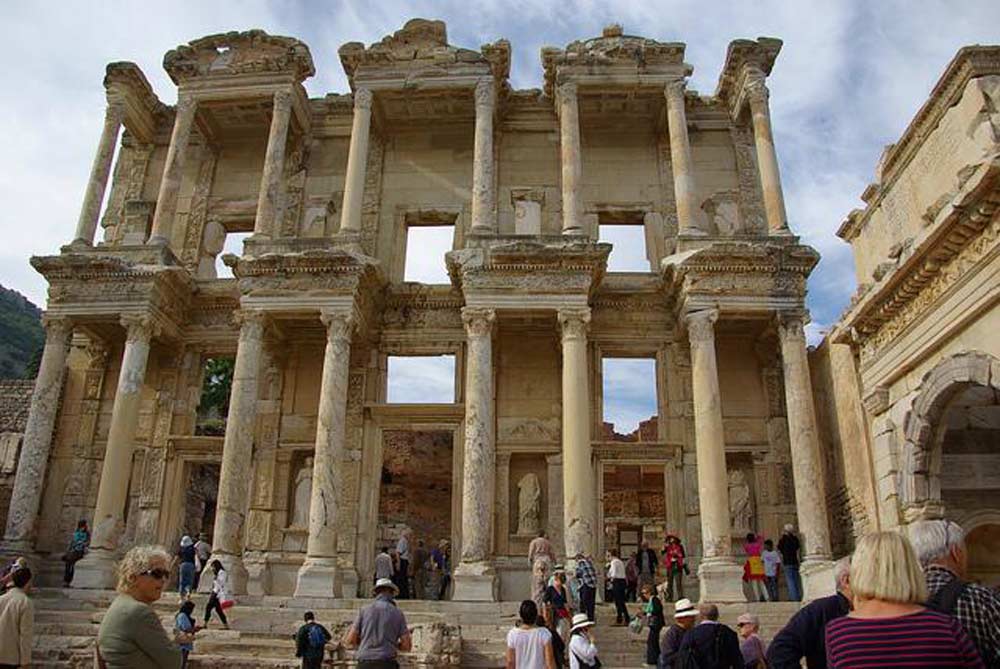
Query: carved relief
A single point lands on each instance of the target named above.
(192, 251)
(750, 199)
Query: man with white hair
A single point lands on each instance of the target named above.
(940, 547)
(805, 634)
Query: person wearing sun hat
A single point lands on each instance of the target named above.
(685, 615)
(582, 651)
(379, 632)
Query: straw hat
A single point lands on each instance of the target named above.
(683, 608)
(580, 621)
(386, 584)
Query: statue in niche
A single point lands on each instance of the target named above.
(303, 492)
(740, 511)
(529, 505)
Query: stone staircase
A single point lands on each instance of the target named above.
(446, 634)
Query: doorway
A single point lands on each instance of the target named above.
(633, 506)
(416, 486)
(201, 497)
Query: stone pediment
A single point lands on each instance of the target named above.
(239, 53)
(420, 49)
(126, 84)
(742, 56)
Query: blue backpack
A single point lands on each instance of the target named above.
(317, 639)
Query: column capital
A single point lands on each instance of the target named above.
(251, 323)
(363, 99)
(57, 326)
(791, 325)
(115, 112)
(567, 90)
(283, 98)
(674, 90)
(340, 325)
(485, 94)
(478, 321)
(139, 328)
(575, 321)
(186, 104)
(756, 90)
(701, 326)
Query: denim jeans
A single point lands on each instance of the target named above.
(772, 587)
(794, 582)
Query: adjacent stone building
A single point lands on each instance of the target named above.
(317, 468)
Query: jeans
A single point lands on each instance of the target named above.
(214, 605)
(587, 601)
(185, 580)
(618, 593)
(772, 587)
(675, 576)
(794, 583)
(403, 579)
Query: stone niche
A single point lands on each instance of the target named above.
(528, 487)
(296, 532)
(416, 487)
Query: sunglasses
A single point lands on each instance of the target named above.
(159, 574)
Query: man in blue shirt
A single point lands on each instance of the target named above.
(586, 576)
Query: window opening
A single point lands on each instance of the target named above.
(426, 246)
(628, 252)
(629, 399)
(421, 379)
(213, 409)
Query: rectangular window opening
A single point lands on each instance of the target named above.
(426, 246)
(216, 385)
(628, 252)
(629, 398)
(421, 379)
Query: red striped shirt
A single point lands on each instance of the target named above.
(922, 640)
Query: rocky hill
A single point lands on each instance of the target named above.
(21, 335)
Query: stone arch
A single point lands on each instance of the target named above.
(922, 436)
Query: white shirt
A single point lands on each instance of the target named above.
(771, 561)
(403, 548)
(529, 646)
(616, 569)
(219, 585)
(583, 648)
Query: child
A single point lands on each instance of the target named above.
(772, 563)
(185, 626)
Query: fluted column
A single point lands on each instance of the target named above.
(767, 158)
(237, 450)
(318, 576)
(720, 580)
(680, 160)
(357, 159)
(475, 577)
(86, 226)
(807, 471)
(569, 152)
(274, 165)
(483, 197)
(173, 171)
(97, 570)
(579, 507)
(37, 441)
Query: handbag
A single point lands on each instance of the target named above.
(636, 624)
(595, 665)
(227, 604)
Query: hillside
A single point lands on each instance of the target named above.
(21, 335)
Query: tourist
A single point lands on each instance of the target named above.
(202, 552)
(383, 565)
(379, 632)
(310, 642)
(632, 577)
(670, 642)
(804, 635)
(753, 568)
(17, 620)
(772, 563)
(940, 548)
(646, 565)
(218, 595)
(710, 643)
(557, 598)
(673, 562)
(420, 558)
(653, 611)
(441, 557)
(394, 555)
(889, 625)
(541, 557)
(131, 634)
(77, 548)
(403, 572)
(186, 555)
(7, 575)
(185, 628)
(550, 621)
(754, 650)
(586, 577)
(616, 575)
(528, 645)
(582, 650)
(789, 547)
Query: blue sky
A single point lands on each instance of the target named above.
(849, 79)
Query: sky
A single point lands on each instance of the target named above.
(847, 82)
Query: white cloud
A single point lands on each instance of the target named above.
(629, 392)
(421, 379)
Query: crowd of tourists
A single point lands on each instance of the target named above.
(418, 573)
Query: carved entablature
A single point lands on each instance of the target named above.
(253, 52)
(143, 113)
(418, 51)
(748, 62)
(740, 277)
(412, 306)
(613, 52)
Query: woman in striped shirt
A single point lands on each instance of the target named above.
(889, 626)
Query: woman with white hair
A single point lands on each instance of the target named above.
(131, 634)
(889, 626)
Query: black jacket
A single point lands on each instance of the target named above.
(723, 653)
(805, 634)
(302, 646)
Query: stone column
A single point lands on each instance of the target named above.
(26, 496)
(483, 197)
(720, 576)
(269, 197)
(502, 541)
(237, 450)
(680, 160)
(554, 470)
(475, 576)
(173, 171)
(767, 158)
(86, 226)
(572, 170)
(357, 158)
(319, 576)
(97, 569)
(579, 507)
(807, 470)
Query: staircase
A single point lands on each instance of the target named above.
(466, 634)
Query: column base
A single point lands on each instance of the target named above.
(349, 581)
(721, 582)
(318, 577)
(819, 579)
(475, 582)
(96, 571)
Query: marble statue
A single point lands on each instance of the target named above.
(740, 513)
(303, 491)
(529, 504)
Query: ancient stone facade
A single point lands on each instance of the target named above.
(430, 134)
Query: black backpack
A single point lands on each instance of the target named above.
(946, 599)
(691, 657)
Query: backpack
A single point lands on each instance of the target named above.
(316, 637)
(946, 599)
(691, 657)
